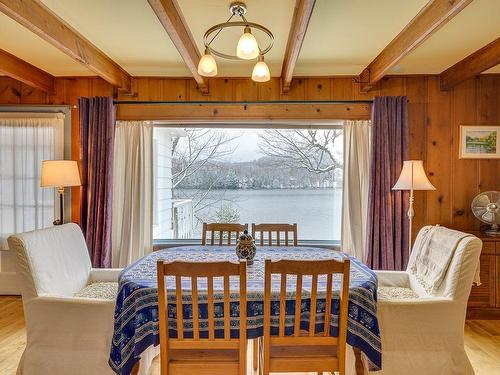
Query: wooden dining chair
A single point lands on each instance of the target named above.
(309, 351)
(259, 230)
(210, 356)
(222, 233)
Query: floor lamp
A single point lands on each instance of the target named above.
(412, 178)
(60, 174)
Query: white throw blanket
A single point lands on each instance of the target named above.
(434, 257)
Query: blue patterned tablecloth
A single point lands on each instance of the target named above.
(136, 315)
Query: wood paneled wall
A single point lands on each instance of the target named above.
(434, 117)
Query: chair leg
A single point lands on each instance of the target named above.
(255, 354)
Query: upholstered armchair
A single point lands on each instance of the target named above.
(68, 305)
(423, 333)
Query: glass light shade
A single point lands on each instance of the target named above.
(247, 48)
(60, 173)
(260, 71)
(413, 177)
(207, 66)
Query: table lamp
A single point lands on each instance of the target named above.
(412, 178)
(59, 174)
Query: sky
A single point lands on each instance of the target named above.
(246, 146)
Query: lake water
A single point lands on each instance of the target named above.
(317, 212)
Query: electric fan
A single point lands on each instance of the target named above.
(486, 207)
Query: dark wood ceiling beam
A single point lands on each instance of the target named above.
(170, 16)
(300, 21)
(474, 64)
(20, 70)
(39, 19)
(430, 19)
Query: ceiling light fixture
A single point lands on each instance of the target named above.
(246, 49)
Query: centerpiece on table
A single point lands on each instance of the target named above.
(245, 248)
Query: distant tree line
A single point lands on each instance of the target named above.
(265, 173)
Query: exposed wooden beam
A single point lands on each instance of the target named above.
(300, 21)
(251, 112)
(39, 19)
(474, 64)
(170, 16)
(432, 17)
(20, 70)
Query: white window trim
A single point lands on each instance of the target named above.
(257, 124)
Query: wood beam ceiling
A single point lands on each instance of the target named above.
(300, 21)
(474, 64)
(430, 19)
(20, 70)
(170, 16)
(37, 18)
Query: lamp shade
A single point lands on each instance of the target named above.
(260, 71)
(207, 66)
(247, 47)
(413, 177)
(60, 173)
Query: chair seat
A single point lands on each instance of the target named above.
(395, 293)
(303, 358)
(99, 290)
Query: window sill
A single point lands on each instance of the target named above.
(165, 244)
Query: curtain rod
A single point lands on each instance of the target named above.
(248, 103)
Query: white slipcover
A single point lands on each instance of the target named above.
(425, 335)
(65, 334)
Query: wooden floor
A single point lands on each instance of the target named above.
(482, 340)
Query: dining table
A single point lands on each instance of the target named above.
(136, 326)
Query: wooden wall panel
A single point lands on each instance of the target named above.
(439, 154)
(465, 172)
(434, 120)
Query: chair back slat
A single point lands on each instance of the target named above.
(194, 302)
(282, 304)
(210, 301)
(178, 304)
(267, 230)
(314, 269)
(298, 306)
(227, 318)
(208, 271)
(313, 307)
(328, 304)
(224, 232)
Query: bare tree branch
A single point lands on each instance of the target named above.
(311, 149)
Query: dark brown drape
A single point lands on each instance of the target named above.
(387, 232)
(97, 129)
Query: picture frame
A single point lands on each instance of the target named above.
(479, 142)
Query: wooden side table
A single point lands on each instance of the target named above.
(484, 300)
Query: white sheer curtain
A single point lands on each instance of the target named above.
(355, 189)
(24, 143)
(132, 226)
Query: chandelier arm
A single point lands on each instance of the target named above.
(218, 32)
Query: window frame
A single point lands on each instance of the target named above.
(66, 146)
(159, 244)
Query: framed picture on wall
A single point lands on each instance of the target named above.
(479, 142)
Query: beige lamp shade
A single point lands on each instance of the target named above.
(413, 177)
(59, 173)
